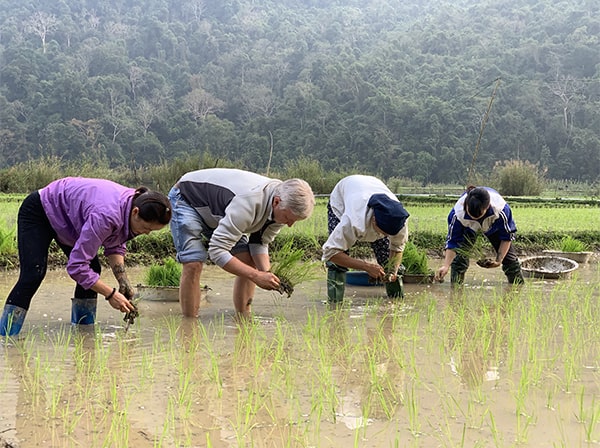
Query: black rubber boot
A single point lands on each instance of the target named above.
(513, 273)
(336, 283)
(395, 290)
(459, 266)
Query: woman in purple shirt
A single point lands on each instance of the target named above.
(82, 215)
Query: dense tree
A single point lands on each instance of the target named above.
(394, 88)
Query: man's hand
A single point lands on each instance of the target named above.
(266, 280)
(375, 271)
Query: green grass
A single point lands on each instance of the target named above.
(538, 225)
(166, 273)
(434, 218)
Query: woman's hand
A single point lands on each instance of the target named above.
(119, 302)
(126, 289)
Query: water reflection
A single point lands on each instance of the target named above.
(303, 374)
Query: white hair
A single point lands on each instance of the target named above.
(297, 197)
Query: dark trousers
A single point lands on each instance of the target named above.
(336, 275)
(510, 264)
(34, 235)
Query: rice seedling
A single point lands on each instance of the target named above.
(166, 274)
(569, 244)
(590, 423)
(292, 267)
(413, 409)
(213, 361)
(415, 260)
(70, 418)
(371, 372)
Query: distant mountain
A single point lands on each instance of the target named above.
(420, 89)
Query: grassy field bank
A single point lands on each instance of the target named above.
(541, 223)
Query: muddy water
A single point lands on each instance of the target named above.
(368, 374)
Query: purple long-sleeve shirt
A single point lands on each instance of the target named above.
(88, 214)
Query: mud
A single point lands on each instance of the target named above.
(133, 390)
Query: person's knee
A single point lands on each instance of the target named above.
(192, 269)
(31, 279)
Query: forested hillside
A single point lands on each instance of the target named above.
(390, 87)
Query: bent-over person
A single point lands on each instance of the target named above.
(81, 215)
(230, 216)
(362, 208)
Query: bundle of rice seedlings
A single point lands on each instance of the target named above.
(291, 267)
(570, 244)
(415, 260)
(166, 274)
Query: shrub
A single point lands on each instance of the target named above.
(321, 181)
(518, 178)
(163, 176)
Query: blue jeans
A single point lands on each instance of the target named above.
(191, 235)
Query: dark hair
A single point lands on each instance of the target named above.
(153, 206)
(477, 200)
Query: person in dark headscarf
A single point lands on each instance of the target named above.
(362, 208)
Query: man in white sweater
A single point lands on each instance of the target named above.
(231, 216)
(362, 208)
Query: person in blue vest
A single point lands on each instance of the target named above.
(362, 208)
(480, 210)
(81, 215)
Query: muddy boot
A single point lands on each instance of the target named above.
(395, 290)
(83, 311)
(336, 285)
(456, 279)
(513, 273)
(12, 320)
(459, 266)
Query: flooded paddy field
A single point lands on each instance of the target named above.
(486, 365)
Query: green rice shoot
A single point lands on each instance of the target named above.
(415, 260)
(166, 274)
(292, 267)
(570, 244)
